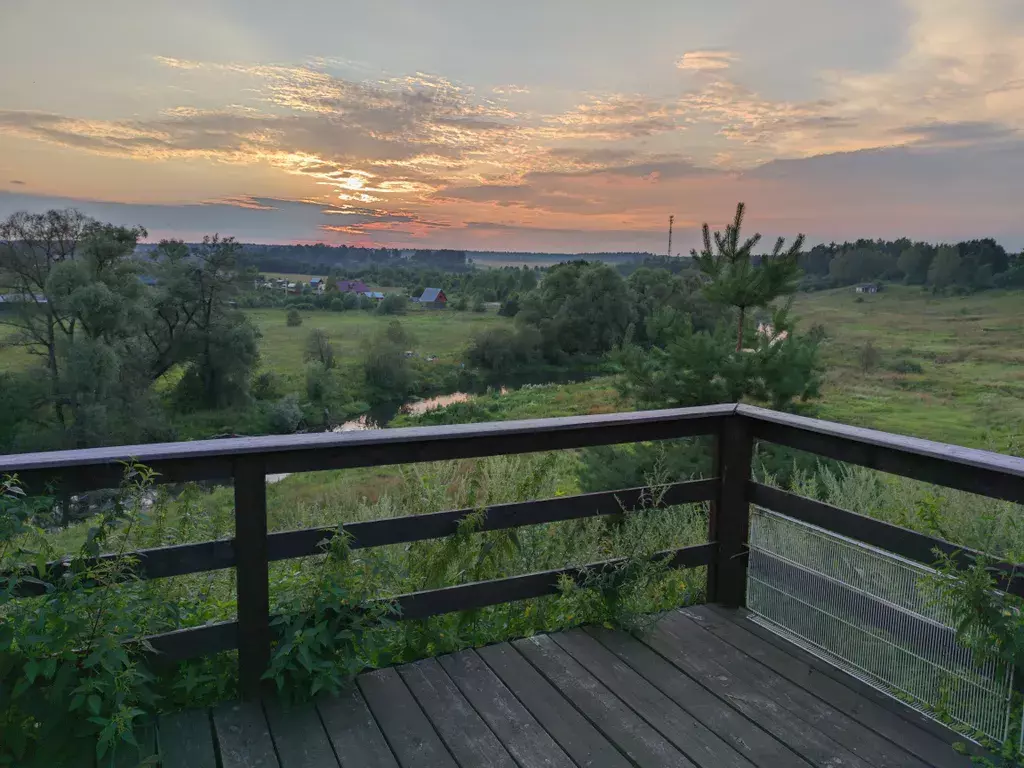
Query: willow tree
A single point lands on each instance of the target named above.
(736, 278)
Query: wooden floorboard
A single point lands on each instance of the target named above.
(703, 689)
(186, 740)
(244, 736)
(299, 736)
(467, 736)
(354, 734)
(756, 702)
(623, 727)
(691, 737)
(899, 729)
(409, 733)
(816, 713)
(530, 742)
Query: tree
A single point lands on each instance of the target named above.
(580, 309)
(293, 319)
(913, 263)
(393, 304)
(319, 348)
(733, 278)
(81, 304)
(509, 307)
(945, 268)
(386, 370)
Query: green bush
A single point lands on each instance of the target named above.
(293, 319)
(906, 366)
(267, 385)
(285, 415)
(393, 304)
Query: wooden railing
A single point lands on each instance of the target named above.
(247, 461)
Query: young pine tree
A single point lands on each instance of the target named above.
(735, 280)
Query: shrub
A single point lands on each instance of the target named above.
(285, 415)
(337, 304)
(906, 366)
(267, 386)
(870, 357)
(350, 301)
(478, 305)
(460, 304)
(293, 319)
(393, 304)
(321, 384)
(319, 348)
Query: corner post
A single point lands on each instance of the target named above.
(729, 521)
(251, 574)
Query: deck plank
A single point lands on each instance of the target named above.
(756, 744)
(244, 736)
(354, 734)
(691, 737)
(467, 736)
(412, 738)
(756, 702)
(299, 735)
(186, 740)
(899, 730)
(129, 756)
(532, 743)
(860, 740)
(641, 743)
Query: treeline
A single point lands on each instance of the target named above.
(970, 265)
(322, 258)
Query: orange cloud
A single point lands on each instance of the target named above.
(703, 61)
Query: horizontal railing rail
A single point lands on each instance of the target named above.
(730, 490)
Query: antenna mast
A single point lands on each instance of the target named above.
(670, 220)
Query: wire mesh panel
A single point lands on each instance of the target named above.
(871, 613)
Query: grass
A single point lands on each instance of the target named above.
(971, 387)
(441, 333)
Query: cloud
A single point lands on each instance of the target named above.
(509, 90)
(250, 203)
(703, 61)
(958, 133)
(17, 182)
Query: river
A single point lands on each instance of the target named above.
(368, 421)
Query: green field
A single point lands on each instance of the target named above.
(970, 350)
(436, 332)
(970, 388)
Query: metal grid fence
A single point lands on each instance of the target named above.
(872, 614)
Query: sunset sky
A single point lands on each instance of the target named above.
(561, 125)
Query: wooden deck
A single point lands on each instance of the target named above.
(706, 687)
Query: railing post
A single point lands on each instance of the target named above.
(729, 522)
(251, 573)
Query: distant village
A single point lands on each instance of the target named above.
(433, 298)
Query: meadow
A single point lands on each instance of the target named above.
(947, 368)
(443, 334)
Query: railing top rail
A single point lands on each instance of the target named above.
(213, 459)
(969, 469)
(972, 457)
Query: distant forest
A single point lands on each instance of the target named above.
(966, 266)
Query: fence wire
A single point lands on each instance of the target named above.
(871, 613)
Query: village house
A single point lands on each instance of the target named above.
(432, 298)
(351, 286)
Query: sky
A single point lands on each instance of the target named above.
(546, 125)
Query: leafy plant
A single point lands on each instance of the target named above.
(331, 632)
(69, 669)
